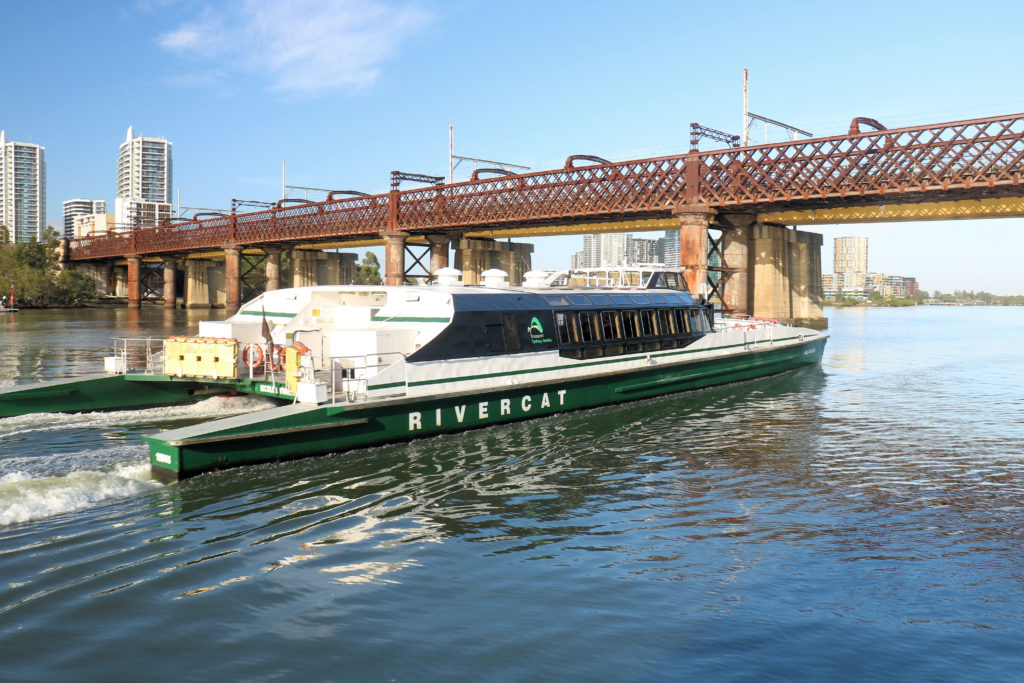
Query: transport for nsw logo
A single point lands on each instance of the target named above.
(536, 331)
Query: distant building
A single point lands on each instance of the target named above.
(850, 255)
(606, 249)
(80, 207)
(90, 224)
(644, 251)
(132, 214)
(828, 286)
(670, 249)
(22, 189)
(144, 181)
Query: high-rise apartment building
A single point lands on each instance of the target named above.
(80, 207)
(670, 249)
(607, 249)
(850, 255)
(644, 251)
(144, 181)
(22, 189)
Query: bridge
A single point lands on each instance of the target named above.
(744, 195)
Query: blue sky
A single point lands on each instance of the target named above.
(346, 92)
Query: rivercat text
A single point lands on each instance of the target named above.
(486, 410)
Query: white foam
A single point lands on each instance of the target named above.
(215, 406)
(39, 486)
(24, 499)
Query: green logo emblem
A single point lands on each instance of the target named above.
(536, 331)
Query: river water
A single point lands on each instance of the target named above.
(859, 520)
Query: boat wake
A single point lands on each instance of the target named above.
(216, 406)
(24, 498)
(45, 485)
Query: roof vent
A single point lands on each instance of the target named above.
(495, 279)
(448, 277)
(536, 279)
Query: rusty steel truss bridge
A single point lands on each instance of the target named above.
(852, 177)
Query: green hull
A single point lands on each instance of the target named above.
(100, 392)
(301, 430)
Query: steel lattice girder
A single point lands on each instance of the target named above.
(960, 160)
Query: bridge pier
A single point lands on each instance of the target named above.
(394, 257)
(311, 268)
(768, 271)
(101, 272)
(474, 255)
(273, 267)
(170, 273)
(132, 282)
(735, 262)
(693, 249)
(203, 284)
(438, 252)
(232, 278)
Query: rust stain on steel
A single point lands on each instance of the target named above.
(972, 159)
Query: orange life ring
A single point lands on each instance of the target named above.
(248, 354)
(301, 348)
(751, 327)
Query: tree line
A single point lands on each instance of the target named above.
(32, 271)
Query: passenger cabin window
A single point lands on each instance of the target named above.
(590, 334)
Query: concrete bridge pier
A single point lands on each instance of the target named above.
(273, 267)
(693, 248)
(438, 251)
(232, 278)
(311, 268)
(203, 284)
(132, 282)
(170, 283)
(102, 273)
(394, 257)
(474, 255)
(735, 285)
(768, 271)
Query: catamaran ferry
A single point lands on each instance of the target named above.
(352, 366)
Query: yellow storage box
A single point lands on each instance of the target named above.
(208, 357)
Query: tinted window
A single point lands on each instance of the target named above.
(610, 325)
(630, 324)
(589, 327)
(646, 324)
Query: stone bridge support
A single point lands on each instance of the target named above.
(438, 251)
(133, 282)
(394, 258)
(311, 268)
(232, 279)
(769, 270)
(102, 273)
(787, 275)
(272, 267)
(204, 284)
(474, 255)
(693, 249)
(170, 288)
